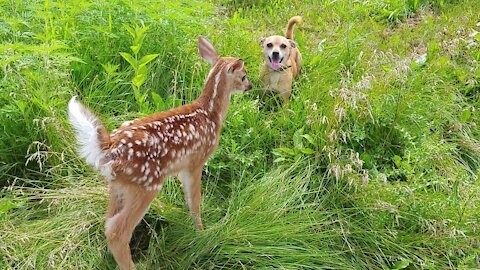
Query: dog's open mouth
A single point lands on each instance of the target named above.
(275, 62)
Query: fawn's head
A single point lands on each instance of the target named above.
(236, 73)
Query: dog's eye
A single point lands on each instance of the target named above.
(244, 77)
(269, 45)
(283, 46)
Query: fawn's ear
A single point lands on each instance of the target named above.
(207, 51)
(237, 65)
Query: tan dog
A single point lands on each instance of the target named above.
(282, 61)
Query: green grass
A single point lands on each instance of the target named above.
(374, 164)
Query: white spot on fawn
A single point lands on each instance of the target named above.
(129, 133)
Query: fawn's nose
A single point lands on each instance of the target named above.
(275, 54)
(249, 86)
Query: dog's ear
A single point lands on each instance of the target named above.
(207, 51)
(262, 41)
(292, 43)
(237, 65)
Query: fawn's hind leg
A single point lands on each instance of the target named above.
(115, 203)
(119, 227)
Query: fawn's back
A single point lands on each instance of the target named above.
(146, 150)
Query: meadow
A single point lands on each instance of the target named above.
(374, 164)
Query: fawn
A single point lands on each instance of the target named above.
(137, 157)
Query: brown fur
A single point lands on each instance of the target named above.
(281, 80)
(142, 152)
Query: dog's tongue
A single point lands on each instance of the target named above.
(275, 64)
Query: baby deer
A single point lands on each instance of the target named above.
(136, 158)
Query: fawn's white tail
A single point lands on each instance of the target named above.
(88, 129)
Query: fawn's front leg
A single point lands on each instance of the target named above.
(192, 188)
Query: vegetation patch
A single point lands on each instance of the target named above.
(373, 164)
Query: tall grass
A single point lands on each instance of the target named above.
(374, 164)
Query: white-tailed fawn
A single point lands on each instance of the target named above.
(136, 158)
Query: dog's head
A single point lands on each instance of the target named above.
(277, 50)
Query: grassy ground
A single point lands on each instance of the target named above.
(373, 165)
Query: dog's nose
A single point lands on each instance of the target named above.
(275, 54)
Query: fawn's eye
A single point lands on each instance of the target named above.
(269, 45)
(283, 46)
(244, 77)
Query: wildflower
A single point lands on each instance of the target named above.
(348, 168)
(474, 33)
(336, 171)
(309, 121)
(332, 136)
(324, 120)
(421, 59)
(383, 177)
(365, 177)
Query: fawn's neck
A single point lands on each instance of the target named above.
(215, 96)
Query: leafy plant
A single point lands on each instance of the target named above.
(302, 147)
(387, 97)
(139, 65)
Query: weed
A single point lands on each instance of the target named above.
(373, 164)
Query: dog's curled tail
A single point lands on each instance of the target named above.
(92, 136)
(294, 20)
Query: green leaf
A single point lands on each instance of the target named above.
(142, 70)
(288, 151)
(367, 158)
(140, 31)
(280, 159)
(297, 138)
(22, 105)
(110, 69)
(397, 160)
(76, 59)
(135, 48)
(139, 79)
(129, 58)
(159, 104)
(400, 265)
(144, 96)
(315, 60)
(140, 98)
(465, 116)
(139, 35)
(136, 93)
(307, 151)
(130, 30)
(147, 59)
(309, 139)
(432, 51)
(145, 105)
(6, 205)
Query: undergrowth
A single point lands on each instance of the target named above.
(374, 164)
